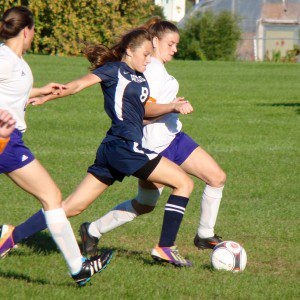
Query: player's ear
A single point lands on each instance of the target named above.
(26, 31)
(129, 52)
(155, 42)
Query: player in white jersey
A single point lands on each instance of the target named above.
(17, 161)
(164, 136)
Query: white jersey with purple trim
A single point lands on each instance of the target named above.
(157, 136)
(15, 85)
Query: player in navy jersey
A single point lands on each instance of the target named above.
(165, 136)
(16, 160)
(126, 91)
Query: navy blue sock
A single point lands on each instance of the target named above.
(34, 224)
(174, 211)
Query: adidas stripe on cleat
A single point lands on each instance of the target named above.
(6, 240)
(92, 266)
(207, 243)
(170, 255)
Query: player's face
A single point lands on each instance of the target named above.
(140, 57)
(29, 34)
(166, 47)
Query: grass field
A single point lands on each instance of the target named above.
(246, 116)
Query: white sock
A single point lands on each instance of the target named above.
(210, 203)
(63, 235)
(118, 216)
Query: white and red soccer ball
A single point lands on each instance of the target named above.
(229, 256)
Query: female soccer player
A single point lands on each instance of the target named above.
(120, 72)
(7, 126)
(17, 161)
(164, 136)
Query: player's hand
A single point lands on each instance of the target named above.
(182, 106)
(37, 100)
(7, 124)
(53, 88)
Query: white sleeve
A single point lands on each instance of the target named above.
(155, 77)
(6, 68)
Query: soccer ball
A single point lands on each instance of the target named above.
(229, 256)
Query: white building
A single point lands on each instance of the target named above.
(174, 10)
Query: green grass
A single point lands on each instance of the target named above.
(245, 116)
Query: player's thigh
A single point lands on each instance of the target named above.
(203, 166)
(34, 179)
(169, 174)
(84, 195)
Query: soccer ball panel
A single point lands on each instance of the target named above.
(229, 256)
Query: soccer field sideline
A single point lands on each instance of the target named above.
(245, 116)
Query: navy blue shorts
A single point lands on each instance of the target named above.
(180, 149)
(119, 158)
(15, 155)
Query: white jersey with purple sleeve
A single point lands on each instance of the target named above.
(158, 135)
(15, 85)
(125, 93)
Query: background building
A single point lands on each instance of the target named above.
(174, 10)
(267, 25)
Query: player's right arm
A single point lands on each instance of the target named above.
(7, 126)
(71, 88)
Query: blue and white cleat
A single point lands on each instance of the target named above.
(6, 240)
(92, 266)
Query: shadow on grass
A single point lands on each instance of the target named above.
(14, 275)
(284, 104)
(42, 243)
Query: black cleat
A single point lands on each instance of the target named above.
(208, 243)
(89, 242)
(91, 266)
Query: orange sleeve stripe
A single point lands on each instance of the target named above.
(151, 100)
(3, 143)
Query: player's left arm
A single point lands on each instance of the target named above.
(70, 88)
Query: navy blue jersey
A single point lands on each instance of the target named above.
(125, 93)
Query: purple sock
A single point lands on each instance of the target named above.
(174, 211)
(34, 224)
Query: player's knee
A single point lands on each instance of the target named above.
(51, 198)
(218, 180)
(185, 186)
(147, 198)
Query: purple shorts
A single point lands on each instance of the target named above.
(180, 149)
(15, 155)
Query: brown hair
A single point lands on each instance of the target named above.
(14, 20)
(98, 55)
(158, 27)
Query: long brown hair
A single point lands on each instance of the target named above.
(98, 55)
(14, 20)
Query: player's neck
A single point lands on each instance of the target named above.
(157, 57)
(16, 45)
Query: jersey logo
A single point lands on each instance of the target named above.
(138, 79)
(23, 73)
(24, 157)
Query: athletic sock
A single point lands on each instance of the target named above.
(63, 235)
(34, 224)
(210, 204)
(174, 211)
(121, 214)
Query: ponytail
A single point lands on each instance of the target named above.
(14, 20)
